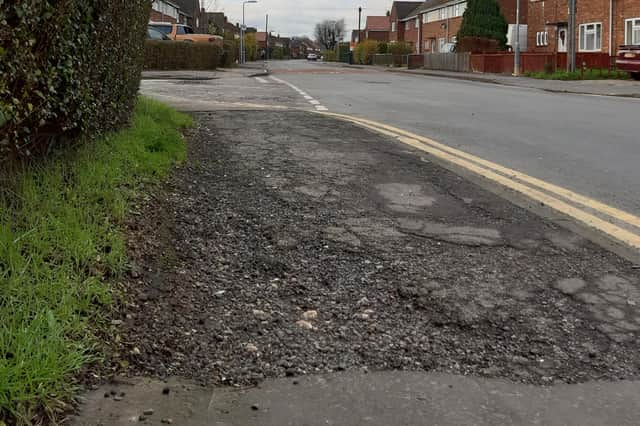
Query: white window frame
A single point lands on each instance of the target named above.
(442, 13)
(407, 25)
(427, 45)
(585, 31)
(417, 22)
(442, 42)
(393, 27)
(633, 36)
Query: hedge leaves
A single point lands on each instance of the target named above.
(67, 68)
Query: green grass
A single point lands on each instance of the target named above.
(61, 246)
(589, 74)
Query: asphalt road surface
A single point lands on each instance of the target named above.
(589, 144)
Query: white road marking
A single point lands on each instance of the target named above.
(262, 80)
(301, 92)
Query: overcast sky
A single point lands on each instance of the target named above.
(298, 17)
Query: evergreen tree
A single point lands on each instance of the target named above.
(483, 18)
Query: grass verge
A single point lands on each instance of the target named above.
(588, 74)
(61, 244)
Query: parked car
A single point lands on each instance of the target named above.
(180, 32)
(153, 34)
(312, 57)
(629, 60)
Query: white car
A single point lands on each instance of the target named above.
(312, 57)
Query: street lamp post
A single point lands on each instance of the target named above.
(516, 59)
(242, 32)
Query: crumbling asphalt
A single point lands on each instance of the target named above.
(290, 244)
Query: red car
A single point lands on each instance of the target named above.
(629, 60)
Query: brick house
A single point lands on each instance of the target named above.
(377, 28)
(193, 14)
(596, 32)
(399, 11)
(164, 11)
(432, 25)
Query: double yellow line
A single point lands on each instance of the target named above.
(575, 206)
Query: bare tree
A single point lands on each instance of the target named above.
(329, 33)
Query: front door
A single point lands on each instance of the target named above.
(562, 38)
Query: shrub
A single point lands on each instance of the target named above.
(382, 48)
(67, 67)
(363, 53)
(229, 53)
(400, 48)
(178, 55)
(483, 18)
(329, 55)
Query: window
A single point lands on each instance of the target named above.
(441, 43)
(393, 27)
(166, 29)
(542, 38)
(427, 45)
(456, 9)
(632, 31)
(433, 16)
(180, 30)
(425, 18)
(590, 37)
(418, 22)
(442, 13)
(408, 25)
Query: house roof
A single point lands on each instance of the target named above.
(430, 5)
(377, 23)
(190, 7)
(404, 8)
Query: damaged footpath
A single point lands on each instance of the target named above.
(292, 245)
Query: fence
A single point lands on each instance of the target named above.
(387, 59)
(460, 62)
(503, 63)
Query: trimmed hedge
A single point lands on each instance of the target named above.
(180, 55)
(67, 67)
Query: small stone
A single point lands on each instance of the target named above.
(116, 322)
(363, 302)
(261, 315)
(142, 417)
(255, 407)
(304, 324)
(520, 360)
(148, 412)
(117, 398)
(310, 315)
(219, 293)
(135, 351)
(369, 312)
(570, 285)
(362, 316)
(167, 421)
(250, 347)
(166, 390)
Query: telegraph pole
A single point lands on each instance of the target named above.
(359, 19)
(266, 30)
